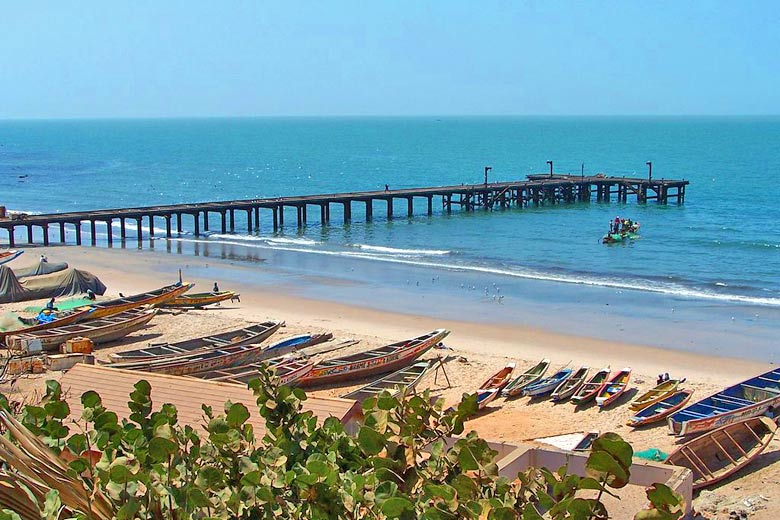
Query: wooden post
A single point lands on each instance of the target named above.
(29, 234)
(122, 230)
(327, 212)
(178, 223)
(389, 208)
(151, 226)
(449, 203)
(11, 242)
(276, 217)
(196, 222)
(168, 226)
(109, 232)
(430, 205)
(281, 215)
(78, 232)
(257, 218)
(409, 206)
(347, 211)
(206, 220)
(299, 214)
(92, 231)
(323, 215)
(62, 232)
(223, 215)
(249, 221)
(304, 212)
(232, 220)
(140, 228)
(369, 209)
(45, 229)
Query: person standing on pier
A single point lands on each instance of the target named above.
(387, 187)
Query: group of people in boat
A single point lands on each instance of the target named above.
(620, 226)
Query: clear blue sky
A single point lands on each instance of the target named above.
(232, 58)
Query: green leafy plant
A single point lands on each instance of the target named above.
(402, 463)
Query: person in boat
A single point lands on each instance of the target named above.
(90, 295)
(50, 306)
(617, 224)
(46, 316)
(44, 259)
(216, 288)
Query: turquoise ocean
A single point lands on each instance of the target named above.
(711, 264)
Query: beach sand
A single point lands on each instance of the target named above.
(478, 350)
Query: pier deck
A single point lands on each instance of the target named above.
(543, 189)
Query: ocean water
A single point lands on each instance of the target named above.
(723, 244)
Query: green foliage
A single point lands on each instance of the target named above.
(402, 463)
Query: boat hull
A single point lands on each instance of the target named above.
(155, 298)
(614, 388)
(660, 410)
(516, 386)
(196, 301)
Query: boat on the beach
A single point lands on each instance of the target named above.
(244, 336)
(529, 377)
(576, 441)
(7, 256)
(100, 331)
(403, 380)
(722, 452)
(287, 345)
(591, 388)
(750, 398)
(548, 384)
(655, 394)
(125, 303)
(288, 370)
(499, 379)
(613, 388)
(199, 361)
(485, 397)
(661, 409)
(61, 319)
(199, 300)
(373, 362)
(569, 386)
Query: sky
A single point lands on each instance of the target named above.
(95, 59)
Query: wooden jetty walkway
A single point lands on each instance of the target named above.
(542, 189)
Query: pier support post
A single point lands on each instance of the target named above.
(410, 206)
(304, 211)
(122, 230)
(323, 215)
(299, 216)
(11, 241)
(390, 208)
(249, 221)
(178, 223)
(281, 215)
(93, 238)
(327, 212)
(369, 209)
(77, 225)
(168, 226)
(257, 218)
(206, 220)
(448, 202)
(196, 216)
(109, 232)
(151, 226)
(232, 220)
(347, 211)
(29, 234)
(62, 232)
(223, 216)
(140, 229)
(275, 218)
(45, 229)
(430, 205)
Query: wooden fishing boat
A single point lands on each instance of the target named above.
(613, 388)
(244, 336)
(200, 361)
(591, 388)
(372, 362)
(63, 318)
(403, 380)
(199, 300)
(722, 452)
(527, 378)
(7, 256)
(288, 370)
(660, 409)
(548, 384)
(485, 397)
(749, 398)
(661, 391)
(125, 303)
(568, 387)
(101, 331)
(500, 379)
(287, 345)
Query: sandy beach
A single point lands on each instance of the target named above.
(478, 350)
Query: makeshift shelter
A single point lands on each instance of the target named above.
(40, 268)
(63, 283)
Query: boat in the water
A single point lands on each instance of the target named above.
(659, 410)
(655, 394)
(720, 453)
(569, 386)
(404, 380)
(99, 332)
(126, 303)
(7, 256)
(288, 370)
(591, 388)
(60, 319)
(373, 362)
(532, 375)
(199, 300)
(243, 336)
(548, 384)
(750, 398)
(614, 388)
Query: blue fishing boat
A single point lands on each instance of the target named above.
(548, 384)
(749, 398)
(660, 409)
(304, 340)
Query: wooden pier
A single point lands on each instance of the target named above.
(543, 189)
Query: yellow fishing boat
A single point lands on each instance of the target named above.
(196, 301)
(658, 393)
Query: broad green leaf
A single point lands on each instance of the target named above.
(394, 507)
(237, 415)
(370, 441)
(160, 448)
(91, 399)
